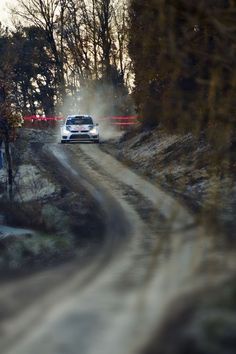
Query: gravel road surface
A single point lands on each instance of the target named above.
(152, 254)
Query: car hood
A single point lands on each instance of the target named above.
(81, 127)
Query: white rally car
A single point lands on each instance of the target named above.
(79, 128)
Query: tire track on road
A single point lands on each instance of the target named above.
(133, 292)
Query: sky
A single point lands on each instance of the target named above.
(4, 11)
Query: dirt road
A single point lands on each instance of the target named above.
(152, 254)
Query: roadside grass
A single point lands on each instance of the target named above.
(202, 322)
(32, 252)
(26, 215)
(190, 169)
(65, 225)
(62, 231)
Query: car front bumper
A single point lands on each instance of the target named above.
(79, 137)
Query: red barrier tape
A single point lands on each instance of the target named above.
(125, 123)
(36, 118)
(120, 120)
(120, 117)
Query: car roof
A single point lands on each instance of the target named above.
(79, 115)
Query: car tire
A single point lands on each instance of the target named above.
(63, 141)
(97, 141)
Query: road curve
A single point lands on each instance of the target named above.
(152, 256)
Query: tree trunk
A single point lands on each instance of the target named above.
(9, 167)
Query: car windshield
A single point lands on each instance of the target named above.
(79, 120)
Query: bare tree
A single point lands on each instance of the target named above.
(96, 36)
(121, 34)
(78, 42)
(8, 123)
(87, 38)
(104, 11)
(50, 16)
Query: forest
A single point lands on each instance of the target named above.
(171, 61)
(124, 243)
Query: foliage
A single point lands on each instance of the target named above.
(68, 44)
(184, 59)
(24, 73)
(9, 118)
(35, 81)
(18, 253)
(63, 47)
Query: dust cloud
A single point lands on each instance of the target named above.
(97, 102)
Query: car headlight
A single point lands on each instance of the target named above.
(64, 131)
(93, 131)
(68, 128)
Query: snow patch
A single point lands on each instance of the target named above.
(30, 184)
(7, 231)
